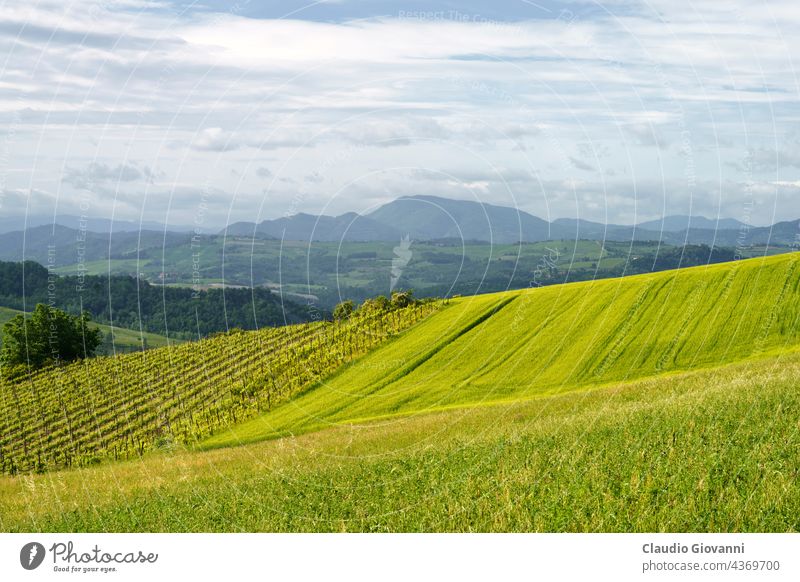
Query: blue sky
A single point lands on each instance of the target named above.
(611, 111)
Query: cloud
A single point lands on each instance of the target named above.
(263, 172)
(768, 160)
(97, 173)
(581, 165)
(214, 139)
(646, 135)
(177, 90)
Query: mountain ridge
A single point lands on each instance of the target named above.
(431, 218)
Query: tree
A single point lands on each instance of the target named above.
(375, 305)
(343, 310)
(402, 299)
(46, 337)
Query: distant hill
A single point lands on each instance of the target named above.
(60, 245)
(306, 227)
(423, 218)
(679, 223)
(432, 217)
(136, 304)
(586, 229)
(93, 224)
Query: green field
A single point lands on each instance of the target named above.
(115, 339)
(521, 344)
(659, 402)
(710, 450)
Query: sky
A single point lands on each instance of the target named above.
(210, 112)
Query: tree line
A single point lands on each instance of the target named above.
(130, 302)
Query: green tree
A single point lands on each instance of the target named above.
(401, 299)
(376, 304)
(343, 310)
(46, 337)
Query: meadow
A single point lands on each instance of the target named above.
(521, 344)
(707, 450)
(658, 402)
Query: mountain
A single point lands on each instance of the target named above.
(58, 245)
(786, 232)
(679, 223)
(423, 218)
(432, 217)
(586, 229)
(779, 234)
(306, 227)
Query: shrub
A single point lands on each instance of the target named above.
(46, 337)
(343, 311)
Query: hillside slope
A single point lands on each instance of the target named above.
(123, 406)
(543, 341)
(707, 450)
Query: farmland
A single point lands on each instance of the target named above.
(121, 406)
(521, 344)
(331, 271)
(657, 402)
(708, 450)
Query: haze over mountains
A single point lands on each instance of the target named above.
(91, 224)
(422, 218)
(435, 218)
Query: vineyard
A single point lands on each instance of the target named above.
(654, 402)
(120, 407)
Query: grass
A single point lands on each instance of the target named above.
(661, 402)
(707, 450)
(526, 343)
(116, 339)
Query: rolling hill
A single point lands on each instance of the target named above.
(704, 451)
(524, 344)
(660, 402)
(121, 406)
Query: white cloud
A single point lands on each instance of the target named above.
(214, 139)
(97, 173)
(202, 94)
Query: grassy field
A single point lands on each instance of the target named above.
(708, 450)
(542, 341)
(660, 402)
(116, 339)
